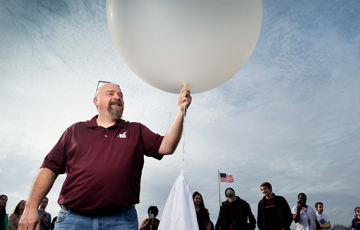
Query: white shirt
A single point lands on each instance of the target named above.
(305, 215)
(323, 219)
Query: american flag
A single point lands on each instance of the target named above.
(226, 178)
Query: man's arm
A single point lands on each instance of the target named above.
(326, 225)
(259, 216)
(317, 224)
(48, 222)
(296, 216)
(41, 186)
(251, 217)
(173, 135)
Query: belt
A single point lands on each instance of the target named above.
(100, 211)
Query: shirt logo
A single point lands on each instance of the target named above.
(122, 135)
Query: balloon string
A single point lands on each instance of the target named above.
(183, 153)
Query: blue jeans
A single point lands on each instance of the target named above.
(68, 220)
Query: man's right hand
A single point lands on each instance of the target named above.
(29, 220)
(43, 219)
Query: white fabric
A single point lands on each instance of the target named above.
(323, 219)
(303, 222)
(179, 211)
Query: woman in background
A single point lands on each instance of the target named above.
(16, 215)
(202, 213)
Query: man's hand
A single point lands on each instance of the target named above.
(29, 220)
(184, 97)
(299, 207)
(43, 219)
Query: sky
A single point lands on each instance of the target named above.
(290, 116)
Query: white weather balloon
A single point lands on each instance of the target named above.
(200, 43)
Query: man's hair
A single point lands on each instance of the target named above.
(154, 209)
(228, 189)
(302, 194)
(267, 185)
(97, 90)
(317, 203)
(46, 198)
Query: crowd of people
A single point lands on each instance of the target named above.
(273, 213)
(235, 213)
(11, 222)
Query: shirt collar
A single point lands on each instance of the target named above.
(93, 124)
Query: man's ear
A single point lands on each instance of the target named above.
(96, 101)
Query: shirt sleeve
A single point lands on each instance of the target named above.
(56, 158)
(151, 142)
(294, 210)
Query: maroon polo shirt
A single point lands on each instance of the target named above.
(103, 166)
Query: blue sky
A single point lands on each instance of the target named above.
(290, 116)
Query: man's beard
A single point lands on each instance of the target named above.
(115, 113)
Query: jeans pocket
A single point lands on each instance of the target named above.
(62, 215)
(131, 214)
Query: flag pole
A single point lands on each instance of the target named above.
(219, 187)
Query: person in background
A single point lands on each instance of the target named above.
(4, 222)
(202, 213)
(53, 223)
(355, 224)
(273, 211)
(304, 216)
(323, 219)
(14, 218)
(45, 217)
(234, 213)
(151, 223)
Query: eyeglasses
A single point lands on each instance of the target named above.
(103, 82)
(44, 201)
(358, 210)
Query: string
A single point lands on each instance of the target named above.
(183, 153)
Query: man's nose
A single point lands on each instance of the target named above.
(116, 97)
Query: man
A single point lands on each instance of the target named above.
(151, 223)
(234, 213)
(323, 219)
(45, 217)
(103, 159)
(304, 216)
(273, 211)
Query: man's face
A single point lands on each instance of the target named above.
(266, 191)
(230, 193)
(44, 203)
(319, 208)
(110, 99)
(302, 199)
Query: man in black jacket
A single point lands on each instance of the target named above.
(234, 213)
(273, 211)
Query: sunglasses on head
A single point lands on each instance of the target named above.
(102, 83)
